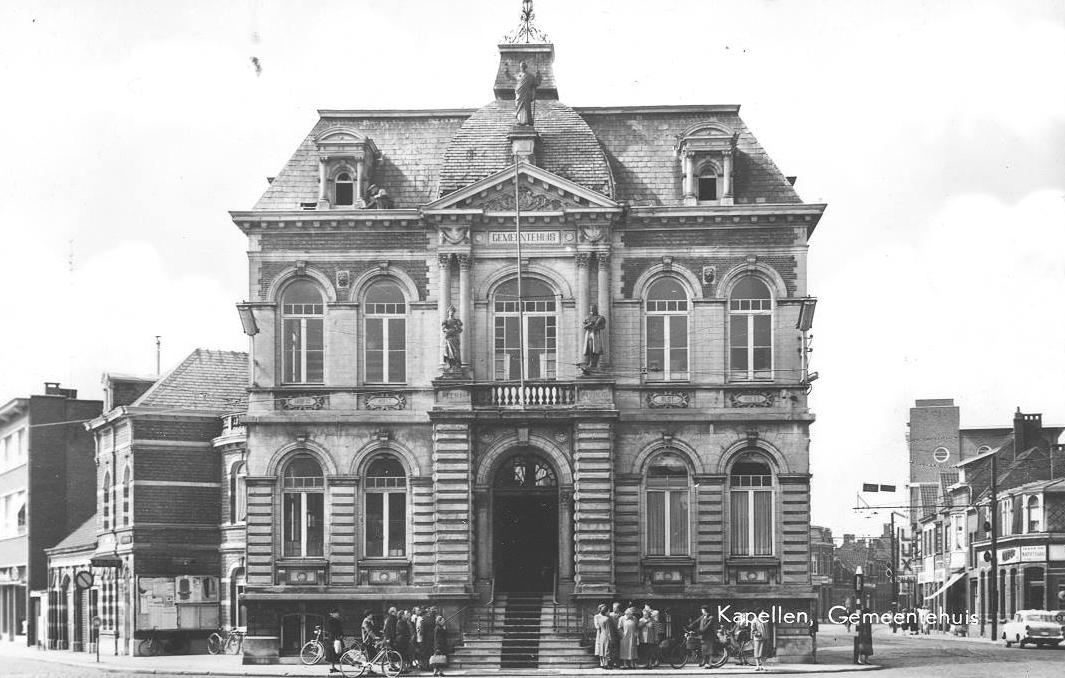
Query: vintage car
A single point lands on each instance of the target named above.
(1038, 627)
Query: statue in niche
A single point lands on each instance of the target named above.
(452, 329)
(594, 325)
(525, 94)
(377, 198)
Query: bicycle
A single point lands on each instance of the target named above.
(226, 641)
(731, 644)
(313, 651)
(156, 644)
(690, 650)
(354, 662)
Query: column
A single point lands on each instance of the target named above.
(322, 193)
(583, 260)
(726, 181)
(603, 300)
(360, 172)
(465, 263)
(443, 299)
(565, 533)
(689, 174)
(483, 535)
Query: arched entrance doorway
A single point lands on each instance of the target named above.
(525, 523)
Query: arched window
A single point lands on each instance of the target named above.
(303, 346)
(343, 190)
(751, 506)
(386, 333)
(526, 472)
(1035, 515)
(106, 500)
(668, 492)
(304, 508)
(238, 493)
(127, 482)
(386, 508)
(238, 611)
(751, 330)
(535, 330)
(1005, 516)
(706, 183)
(667, 330)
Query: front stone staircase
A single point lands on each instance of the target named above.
(523, 631)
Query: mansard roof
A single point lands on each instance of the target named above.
(627, 153)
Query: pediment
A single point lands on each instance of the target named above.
(538, 191)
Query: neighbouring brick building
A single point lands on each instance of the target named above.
(953, 515)
(822, 556)
(676, 471)
(44, 456)
(167, 544)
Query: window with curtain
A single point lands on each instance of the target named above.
(666, 310)
(303, 507)
(386, 333)
(751, 506)
(127, 482)
(303, 345)
(238, 493)
(668, 494)
(386, 508)
(535, 329)
(750, 330)
(1035, 515)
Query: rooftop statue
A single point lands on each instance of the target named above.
(525, 94)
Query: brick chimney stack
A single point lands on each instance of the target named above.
(1027, 431)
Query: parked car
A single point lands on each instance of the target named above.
(1038, 627)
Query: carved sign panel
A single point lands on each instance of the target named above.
(660, 399)
(305, 402)
(751, 399)
(385, 401)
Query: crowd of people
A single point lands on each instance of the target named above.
(631, 638)
(420, 636)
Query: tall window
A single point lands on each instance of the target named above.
(304, 508)
(707, 184)
(106, 500)
(751, 506)
(238, 493)
(751, 330)
(238, 611)
(303, 348)
(1005, 516)
(667, 506)
(386, 333)
(127, 482)
(667, 330)
(1035, 515)
(386, 508)
(344, 189)
(536, 328)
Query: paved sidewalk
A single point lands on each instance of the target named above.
(231, 666)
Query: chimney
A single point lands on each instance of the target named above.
(848, 538)
(1057, 461)
(1027, 431)
(52, 388)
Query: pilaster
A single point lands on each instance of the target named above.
(593, 507)
(453, 501)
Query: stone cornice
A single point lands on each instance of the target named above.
(726, 216)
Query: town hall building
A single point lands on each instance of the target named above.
(526, 351)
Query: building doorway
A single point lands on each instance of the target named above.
(525, 524)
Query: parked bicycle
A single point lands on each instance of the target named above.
(728, 644)
(226, 641)
(313, 651)
(688, 651)
(157, 643)
(354, 662)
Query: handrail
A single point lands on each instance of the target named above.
(554, 600)
(491, 611)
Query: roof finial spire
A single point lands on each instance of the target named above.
(526, 32)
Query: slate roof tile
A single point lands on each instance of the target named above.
(83, 535)
(205, 380)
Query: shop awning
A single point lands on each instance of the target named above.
(950, 582)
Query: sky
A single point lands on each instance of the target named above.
(934, 131)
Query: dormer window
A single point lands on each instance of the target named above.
(344, 190)
(706, 153)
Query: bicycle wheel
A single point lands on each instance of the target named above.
(215, 643)
(234, 643)
(744, 651)
(312, 652)
(391, 663)
(718, 655)
(353, 662)
(149, 647)
(678, 656)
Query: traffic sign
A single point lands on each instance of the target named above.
(83, 580)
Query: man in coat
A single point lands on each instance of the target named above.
(705, 627)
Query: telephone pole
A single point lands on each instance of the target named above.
(993, 509)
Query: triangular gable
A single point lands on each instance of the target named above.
(540, 191)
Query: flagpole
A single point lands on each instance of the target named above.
(521, 302)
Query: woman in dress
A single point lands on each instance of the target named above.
(758, 640)
(404, 631)
(614, 627)
(440, 648)
(629, 638)
(602, 636)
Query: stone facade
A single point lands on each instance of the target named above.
(674, 470)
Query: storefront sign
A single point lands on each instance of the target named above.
(1033, 554)
(1007, 556)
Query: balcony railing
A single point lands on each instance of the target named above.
(531, 394)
